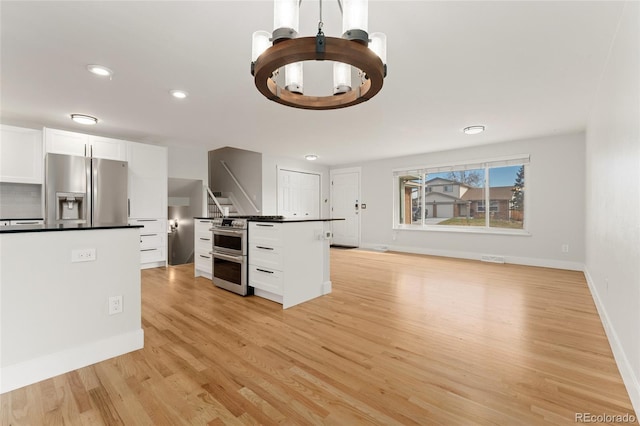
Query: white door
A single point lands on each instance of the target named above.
(345, 203)
(298, 194)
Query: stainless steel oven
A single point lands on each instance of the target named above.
(230, 272)
(230, 240)
(229, 254)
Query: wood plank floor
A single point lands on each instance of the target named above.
(403, 339)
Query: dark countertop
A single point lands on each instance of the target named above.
(292, 220)
(49, 228)
(285, 220)
(21, 218)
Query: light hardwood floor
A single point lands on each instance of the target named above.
(403, 339)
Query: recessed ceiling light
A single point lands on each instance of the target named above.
(311, 157)
(84, 119)
(100, 70)
(180, 94)
(473, 130)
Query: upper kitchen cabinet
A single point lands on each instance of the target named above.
(71, 143)
(148, 179)
(20, 155)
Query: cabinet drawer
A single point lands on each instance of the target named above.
(203, 241)
(269, 257)
(203, 261)
(265, 234)
(151, 240)
(202, 225)
(152, 255)
(150, 226)
(266, 279)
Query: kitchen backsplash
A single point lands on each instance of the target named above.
(20, 201)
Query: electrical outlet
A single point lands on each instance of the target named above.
(565, 248)
(83, 255)
(115, 305)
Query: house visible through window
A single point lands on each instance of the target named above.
(456, 196)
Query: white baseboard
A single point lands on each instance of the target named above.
(326, 287)
(528, 261)
(161, 264)
(201, 273)
(631, 381)
(28, 372)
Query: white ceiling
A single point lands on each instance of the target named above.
(523, 69)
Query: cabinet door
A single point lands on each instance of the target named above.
(147, 180)
(110, 149)
(298, 194)
(21, 157)
(63, 142)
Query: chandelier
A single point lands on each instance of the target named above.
(282, 51)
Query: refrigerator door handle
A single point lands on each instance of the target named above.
(128, 207)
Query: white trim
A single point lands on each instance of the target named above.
(333, 172)
(631, 381)
(463, 229)
(527, 261)
(28, 372)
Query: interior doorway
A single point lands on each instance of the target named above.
(185, 202)
(345, 204)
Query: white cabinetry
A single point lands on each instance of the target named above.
(148, 200)
(202, 246)
(289, 262)
(153, 242)
(71, 143)
(21, 155)
(147, 180)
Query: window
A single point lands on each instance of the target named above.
(457, 195)
(493, 206)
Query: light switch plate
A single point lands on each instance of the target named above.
(83, 255)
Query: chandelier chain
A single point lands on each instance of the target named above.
(320, 23)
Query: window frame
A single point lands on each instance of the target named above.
(487, 165)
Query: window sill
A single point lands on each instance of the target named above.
(463, 230)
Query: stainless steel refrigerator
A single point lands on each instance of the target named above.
(83, 190)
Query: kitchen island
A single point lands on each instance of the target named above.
(289, 259)
(55, 286)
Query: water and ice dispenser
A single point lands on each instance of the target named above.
(70, 206)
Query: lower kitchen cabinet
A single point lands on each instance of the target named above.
(289, 261)
(153, 242)
(202, 246)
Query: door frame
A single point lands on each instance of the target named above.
(298, 170)
(357, 170)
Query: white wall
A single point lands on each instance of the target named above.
(188, 163)
(246, 166)
(270, 165)
(54, 313)
(613, 200)
(555, 186)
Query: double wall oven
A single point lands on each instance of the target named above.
(230, 254)
(230, 251)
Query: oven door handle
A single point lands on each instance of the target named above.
(236, 259)
(219, 231)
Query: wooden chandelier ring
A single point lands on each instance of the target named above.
(304, 49)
